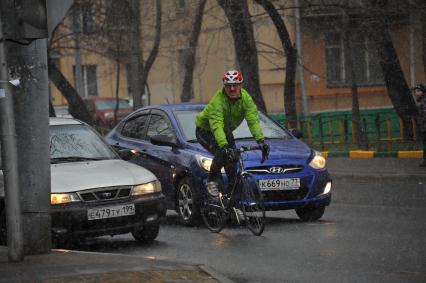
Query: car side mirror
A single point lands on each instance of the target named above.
(163, 140)
(296, 133)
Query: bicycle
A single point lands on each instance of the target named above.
(244, 195)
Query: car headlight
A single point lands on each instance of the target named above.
(148, 188)
(206, 162)
(318, 162)
(63, 198)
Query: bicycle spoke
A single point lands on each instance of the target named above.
(214, 216)
(253, 210)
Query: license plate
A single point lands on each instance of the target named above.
(111, 211)
(279, 184)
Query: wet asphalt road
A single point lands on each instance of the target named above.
(374, 231)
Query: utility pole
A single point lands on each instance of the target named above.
(76, 27)
(27, 60)
(15, 238)
(300, 63)
(27, 153)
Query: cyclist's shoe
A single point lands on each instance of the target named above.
(213, 188)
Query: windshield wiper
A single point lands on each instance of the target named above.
(192, 141)
(73, 159)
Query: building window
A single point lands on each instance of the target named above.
(181, 7)
(366, 63)
(88, 19)
(89, 80)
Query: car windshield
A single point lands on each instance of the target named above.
(110, 104)
(271, 130)
(77, 143)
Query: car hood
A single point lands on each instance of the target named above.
(77, 176)
(280, 149)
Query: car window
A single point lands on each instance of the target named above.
(77, 141)
(270, 129)
(135, 128)
(186, 121)
(158, 125)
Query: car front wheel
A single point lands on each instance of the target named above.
(310, 213)
(147, 233)
(187, 203)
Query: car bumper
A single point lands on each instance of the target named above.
(72, 220)
(320, 200)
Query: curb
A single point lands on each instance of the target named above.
(358, 175)
(373, 154)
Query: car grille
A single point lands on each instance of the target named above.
(281, 169)
(285, 195)
(105, 194)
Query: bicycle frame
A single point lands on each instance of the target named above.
(250, 202)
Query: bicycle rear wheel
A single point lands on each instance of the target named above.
(253, 208)
(214, 217)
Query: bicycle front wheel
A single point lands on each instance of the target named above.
(253, 208)
(213, 215)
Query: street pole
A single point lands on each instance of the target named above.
(15, 238)
(76, 26)
(300, 63)
(31, 105)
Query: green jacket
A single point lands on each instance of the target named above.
(222, 116)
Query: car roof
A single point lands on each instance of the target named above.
(177, 106)
(103, 98)
(54, 121)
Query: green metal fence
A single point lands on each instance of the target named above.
(381, 130)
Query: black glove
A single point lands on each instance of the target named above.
(265, 150)
(228, 153)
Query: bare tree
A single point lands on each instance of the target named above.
(189, 64)
(238, 17)
(76, 106)
(291, 55)
(135, 53)
(396, 84)
(154, 51)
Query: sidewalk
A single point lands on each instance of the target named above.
(381, 167)
(72, 266)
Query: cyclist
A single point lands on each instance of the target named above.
(229, 106)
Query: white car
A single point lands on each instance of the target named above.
(93, 191)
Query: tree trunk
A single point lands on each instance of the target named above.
(51, 109)
(117, 88)
(135, 54)
(396, 84)
(76, 106)
(291, 53)
(423, 19)
(352, 80)
(154, 52)
(187, 88)
(245, 46)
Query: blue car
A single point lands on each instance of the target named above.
(294, 176)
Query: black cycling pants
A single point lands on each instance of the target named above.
(207, 140)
